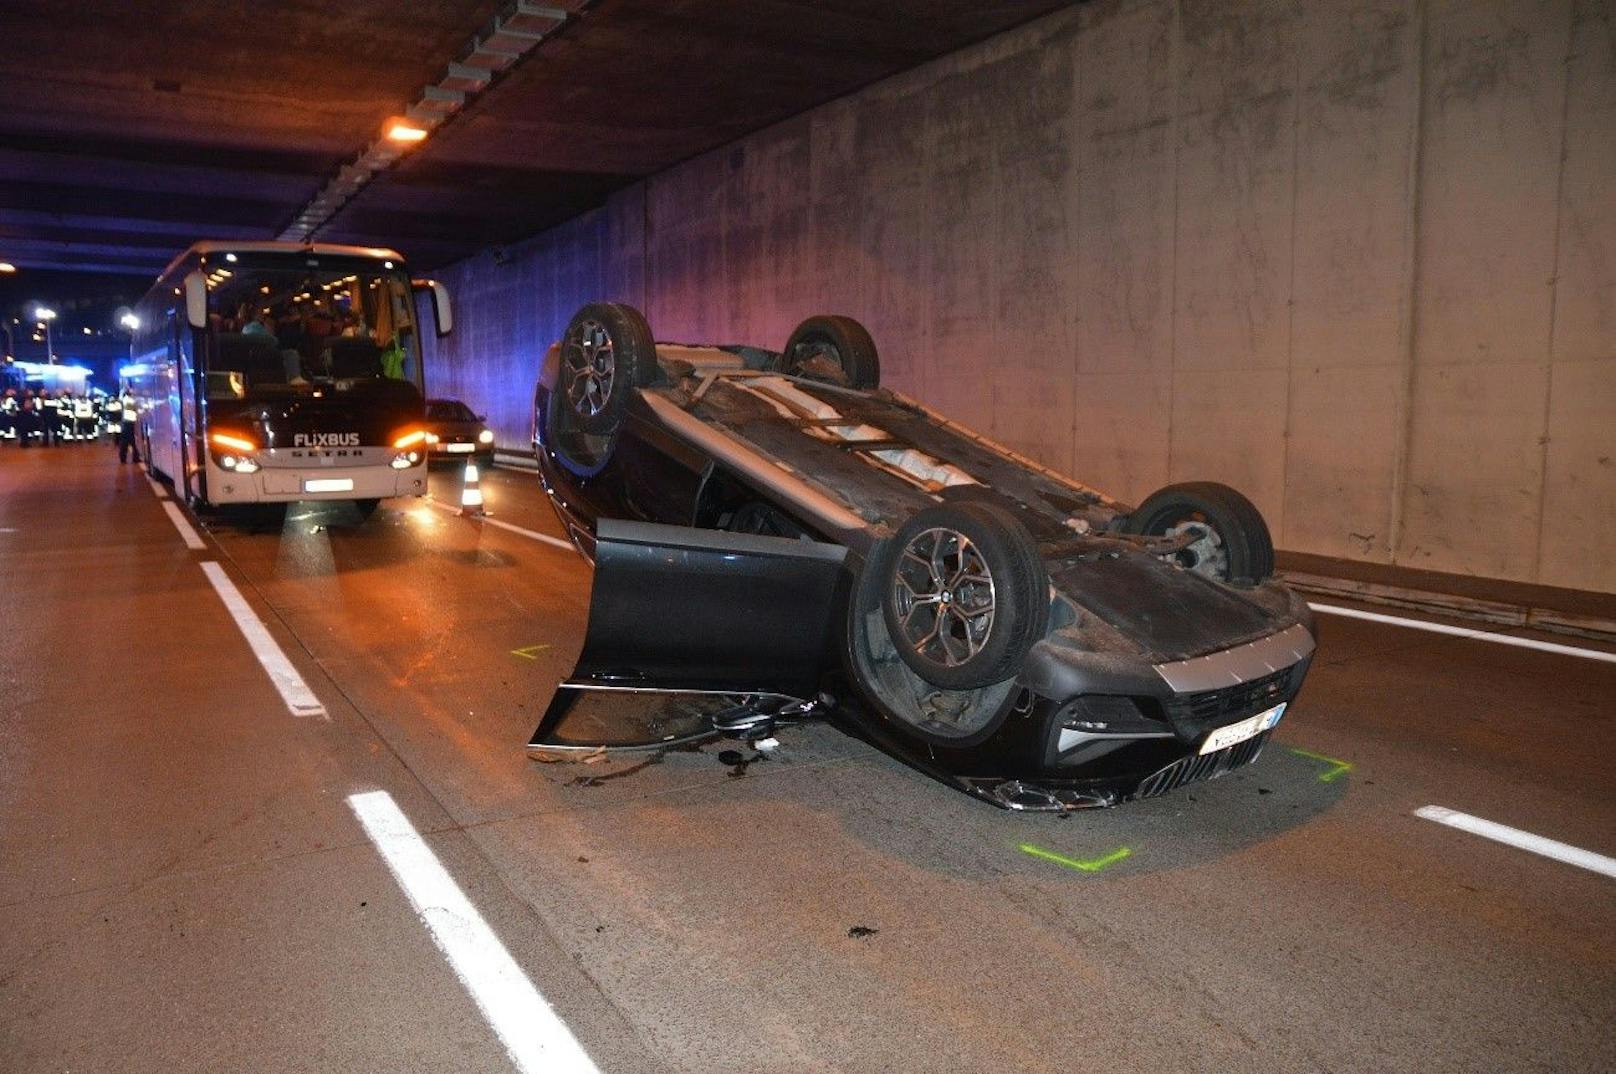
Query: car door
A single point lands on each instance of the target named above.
(678, 610)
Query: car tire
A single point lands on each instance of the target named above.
(843, 341)
(1237, 549)
(938, 559)
(606, 352)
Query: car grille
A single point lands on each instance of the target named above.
(1216, 707)
(1198, 768)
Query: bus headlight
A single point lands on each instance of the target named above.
(405, 459)
(485, 437)
(239, 465)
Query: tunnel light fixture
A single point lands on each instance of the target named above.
(501, 43)
(403, 130)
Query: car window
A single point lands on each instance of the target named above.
(448, 410)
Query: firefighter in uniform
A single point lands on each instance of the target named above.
(112, 415)
(9, 407)
(83, 416)
(27, 419)
(64, 416)
(47, 409)
(126, 432)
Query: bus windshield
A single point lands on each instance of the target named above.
(282, 327)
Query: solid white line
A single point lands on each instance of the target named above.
(156, 487)
(300, 700)
(1537, 844)
(187, 534)
(534, 534)
(1468, 632)
(537, 536)
(534, 1037)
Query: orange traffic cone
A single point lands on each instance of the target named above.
(471, 494)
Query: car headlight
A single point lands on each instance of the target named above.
(485, 437)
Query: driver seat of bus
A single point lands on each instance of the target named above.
(353, 358)
(255, 356)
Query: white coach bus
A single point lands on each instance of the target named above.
(268, 372)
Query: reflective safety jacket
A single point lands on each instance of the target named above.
(83, 408)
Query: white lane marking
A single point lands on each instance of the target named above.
(1468, 632)
(300, 700)
(156, 487)
(534, 534)
(1537, 844)
(187, 534)
(535, 1038)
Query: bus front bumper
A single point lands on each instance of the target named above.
(281, 485)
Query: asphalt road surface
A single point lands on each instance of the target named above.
(276, 814)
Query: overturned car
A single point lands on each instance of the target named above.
(776, 528)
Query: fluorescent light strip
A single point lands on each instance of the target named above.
(514, 34)
(535, 1038)
(300, 700)
(1468, 632)
(1537, 844)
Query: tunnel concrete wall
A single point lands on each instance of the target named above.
(1356, 258)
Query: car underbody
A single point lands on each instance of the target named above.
(762, 538)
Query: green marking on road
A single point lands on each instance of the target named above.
(1339, 769)
(1093, 865)
(528, 652)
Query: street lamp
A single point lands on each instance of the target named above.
(45, 315)
(130, 321)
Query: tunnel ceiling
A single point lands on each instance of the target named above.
(132, 127)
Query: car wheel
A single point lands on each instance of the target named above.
(1232, 543)
(832, 348)
(606, 353)
(964, 594)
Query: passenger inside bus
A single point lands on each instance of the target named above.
(286, 331)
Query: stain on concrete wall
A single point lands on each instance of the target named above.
(1356, 258)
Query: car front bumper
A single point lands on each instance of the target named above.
(1088, 730)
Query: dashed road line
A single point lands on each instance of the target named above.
(1537, 844)
(534, 1036)
(300, 700)
(1467, 632)
(187, 533)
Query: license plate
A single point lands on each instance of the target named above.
(1236, 733)
(464, 448)
(328, 484)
